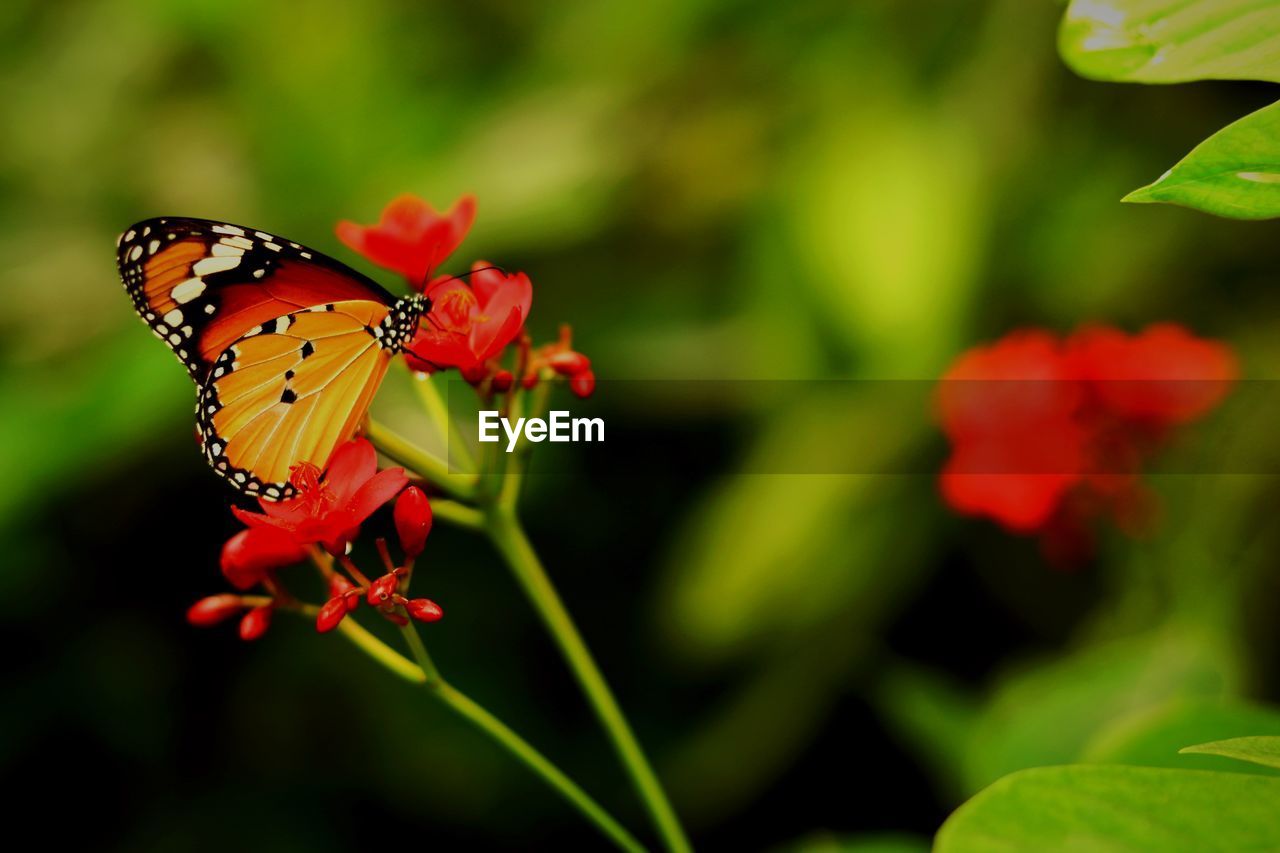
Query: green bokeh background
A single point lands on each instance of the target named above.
(719, 190)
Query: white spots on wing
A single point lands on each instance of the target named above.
(228, 229)
(129, 235)
(237, 242)
(175, 339)
(205, 266)
(153, 247)
(272, 246)
(162, 329)
(146, 232)
(187, 290)
(306, 255)
(187, 331)
(282, 324)
(225, 250)
(263, 235)
(135, 253)
(259, 273)
(174, 317)
(210, 308)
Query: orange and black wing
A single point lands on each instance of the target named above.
(290, 392)
(202, 285)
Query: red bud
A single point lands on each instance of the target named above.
(331, 614)
(214, 609)
(413, 520)
(474, 374)
(424, 610)
(569, 363)
(338, 585)
(502, 381)
(583, 384)
(255, 623)
(530, 379)
(381, 590)
(353, 599)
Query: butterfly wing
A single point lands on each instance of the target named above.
(291, 392)
(202, 285)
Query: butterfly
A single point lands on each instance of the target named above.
(286, 345)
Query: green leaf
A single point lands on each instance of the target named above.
(1258, 749)
(1050, 712)
(1172, 41)
(1097, 808)
(1234, 173)
(1154, 737)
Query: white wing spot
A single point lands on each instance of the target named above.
(227, 229)
(174, 317)
(205, 266)
(187, 290)
(135, 253)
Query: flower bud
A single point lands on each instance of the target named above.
(583, 384)
(331, 614)
(530, 379)
(381, 590)
(214, 609)
(255, 623)
(338, 585)
(413, 520)
(502, 381)
(424, 610)
(569, 363)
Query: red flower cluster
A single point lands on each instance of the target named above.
(471, 323)
(1048, 432)
(328, 512)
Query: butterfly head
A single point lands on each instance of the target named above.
(401, 322)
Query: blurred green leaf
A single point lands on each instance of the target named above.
(1117, 808)
(1172, 41)
(1234, 173)
(1155, 737)
(1048, 714)
(1256, 749)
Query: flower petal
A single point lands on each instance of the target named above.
(374, 493)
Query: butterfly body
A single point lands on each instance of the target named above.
(286, 345)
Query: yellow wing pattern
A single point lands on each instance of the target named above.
(291, 391)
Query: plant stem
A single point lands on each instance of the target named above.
(418, 460)
(455, 445)
(459, 514)
(424, 673)
(510, 540)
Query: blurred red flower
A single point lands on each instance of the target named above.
(470, 321)
(329, 509)
(1047, 433)
(250, 554)
(411, 237)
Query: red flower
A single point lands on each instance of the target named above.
(470, 322)
(1047, 433)
(410, 237)
(250, 554)
(330, 509)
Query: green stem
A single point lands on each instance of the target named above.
(510, 540)
(458, 514)
(424, 673)
(455, 445)
(418, 460)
